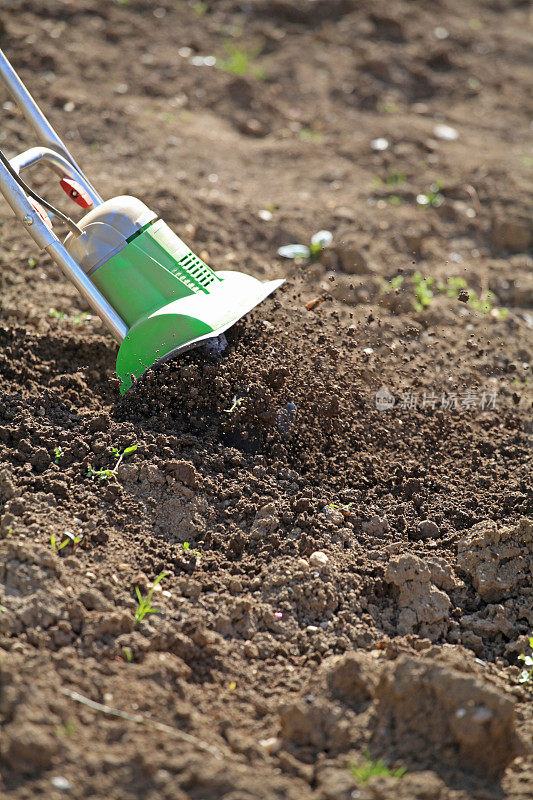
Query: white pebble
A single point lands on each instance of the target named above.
(271, 745)
(445, 132)
(318, 559)
(61, 783)
(379, 144)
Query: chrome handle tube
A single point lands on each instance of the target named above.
(58, 163)
(35, 117)
(47, 240)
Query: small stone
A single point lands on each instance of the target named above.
(379, 144)
(61, 783)
(93, 600)
(253, 127)
(446, 133)
(376, 526)
(270, 745)
(463, 296)
(251, 650)
(184, 472)
(302, 563)
(27, 747)
(318, 559)
(427, 529)
(351, 259)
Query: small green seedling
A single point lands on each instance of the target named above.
(58, 452)
(433, 198)
(395, 284)
(313, 252)
(454, 285)
(67, 730)
(71, 539)
(309, 135)
(193, 552)
(423, 291)
(372, 769)
(77, 319)
(239, 61)
(53, 543)
(236, 402)
(107, 474)
(395, 178)
(387, 108)
(127, 654)
(144, 606)
(526, 676)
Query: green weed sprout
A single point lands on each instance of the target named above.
(239, 61)
(394, 284)
(187, 549)
(433, 198)
(372, 769)
(526, 676)
(423, 291)
(58, 452)
(318, 242)
(71, 539)
(144, 606)
(77, 319)
(395, 178)
(236, 402)
(309, 135)
(454, 285)
(107, 474)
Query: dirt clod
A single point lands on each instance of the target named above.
(436, 709)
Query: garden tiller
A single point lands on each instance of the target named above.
(152, 292)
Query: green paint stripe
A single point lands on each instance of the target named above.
(141, 230)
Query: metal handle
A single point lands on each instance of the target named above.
(58, 163)
(45, 133)
(47, 240)
(59, 158)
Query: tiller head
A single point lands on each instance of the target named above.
(154, 294)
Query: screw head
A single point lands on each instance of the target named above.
(28, 219)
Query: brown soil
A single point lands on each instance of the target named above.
(355, 579)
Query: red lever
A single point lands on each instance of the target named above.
(76, 192)
(42, 213)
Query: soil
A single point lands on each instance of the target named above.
(341, 499)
